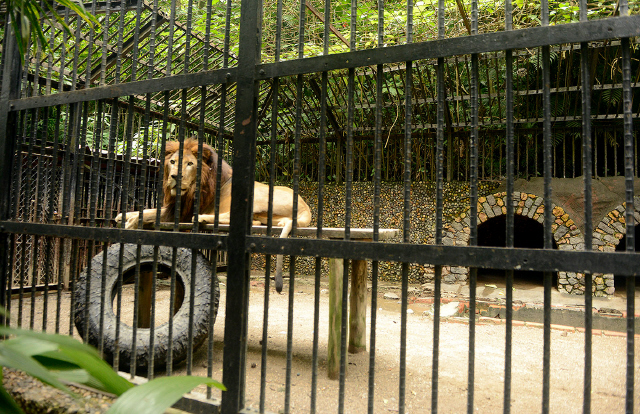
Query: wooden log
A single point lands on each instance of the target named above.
(336, 276)
(358, 307)
(144, 300)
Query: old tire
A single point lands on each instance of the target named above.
(180, 341)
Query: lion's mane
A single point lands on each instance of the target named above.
(207, 181)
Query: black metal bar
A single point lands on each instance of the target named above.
(376, 212)
(510, 219)
(473, 200)
(320, 211)
(406, 226)
(136, 284)
(139, 87)
(296, 177)
(241, 206)
(547, 149)
(8, 125)
(593, 30)
(481, 257)
(435, 364)
(587, 171)
(629, 209)
(220, 148)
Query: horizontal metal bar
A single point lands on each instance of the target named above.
(204, 241)
(481, 257)
(142, 87)
(593, 30)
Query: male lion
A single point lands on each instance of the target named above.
(282, 197)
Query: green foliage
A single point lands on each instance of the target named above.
(27, 17)
(56, 359)
(158, 395)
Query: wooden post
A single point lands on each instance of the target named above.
(358, 307)
(336, 276)
(144, 300)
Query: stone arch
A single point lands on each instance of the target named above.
(565, 232)
(606, 237)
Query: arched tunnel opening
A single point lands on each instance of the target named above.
(528, 233)
(620, 281)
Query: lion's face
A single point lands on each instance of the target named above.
(189, 176)
(189, 169)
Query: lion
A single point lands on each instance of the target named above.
(282, 196)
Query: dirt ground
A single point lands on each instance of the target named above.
(567, 359)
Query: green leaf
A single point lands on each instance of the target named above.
(66, 341)
(77, 375)
(100, 370)
(30, 346)
(159, 394)
(7, 403)
(17, 360)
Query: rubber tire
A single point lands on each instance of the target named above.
(180, 343)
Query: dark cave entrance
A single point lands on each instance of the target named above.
(528, 233)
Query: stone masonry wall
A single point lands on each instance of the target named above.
(491, 203)
(423, 209)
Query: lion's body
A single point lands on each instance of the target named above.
(282, 196)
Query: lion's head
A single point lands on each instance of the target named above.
(188, 178)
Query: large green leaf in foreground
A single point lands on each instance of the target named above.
(50, 357)
(158, 395)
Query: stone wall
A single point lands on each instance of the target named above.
(607, 236)
(423, 209)
(567, 228)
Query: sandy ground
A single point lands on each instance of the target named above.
(567, 359)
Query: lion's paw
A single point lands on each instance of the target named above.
(131, 220)
(206, 218)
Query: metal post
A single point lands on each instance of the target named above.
(11, 77)
(235, 344)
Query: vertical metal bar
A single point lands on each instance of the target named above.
(510, 219)
(46, 268)
(406, 231)
(178, 198)
(322, 144)
(435, 364)
(10, 90)
(56, 145)
(585, 74)
(296, 174)
(220, 148)
(29, 196)
(113, 131)
(158, 186)
(547, 147)
(629, 208)
(473, 236)
(49, 254)
(237, 304)
(76, 139)
(136, 290)
(272, 172)
(94, 174)
(348, 209)
(203, 96)
(196, 202)
(124, 193)
(376, 210)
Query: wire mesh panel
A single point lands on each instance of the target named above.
(301, 198)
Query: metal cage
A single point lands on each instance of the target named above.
(319, 96)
